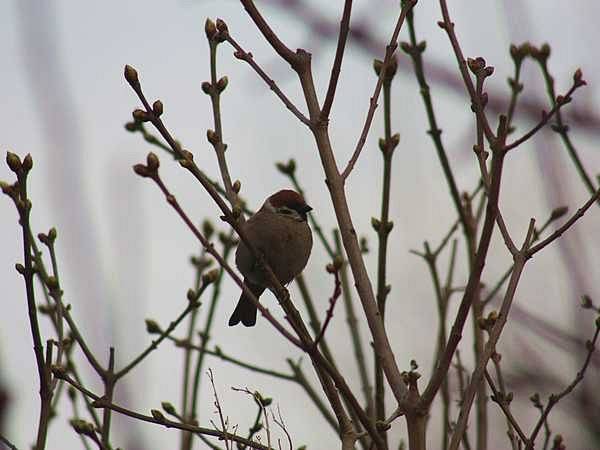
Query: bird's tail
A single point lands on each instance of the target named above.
(245, 311)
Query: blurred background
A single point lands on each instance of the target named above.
(124, 255)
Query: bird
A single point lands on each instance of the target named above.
(279, 231)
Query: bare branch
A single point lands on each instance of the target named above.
(337, 63)
(389, 53)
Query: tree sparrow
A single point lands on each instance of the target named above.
(279, 231)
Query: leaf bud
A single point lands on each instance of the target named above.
(406, 48)
(191, 295)
(131, 76)
(27, 163)
(52, 283)
(476, 65)
(13, 161)
(222, 26)
(364, 245)
(141, 170)
(157, 108)
(545, 51)
(206, 87)
(82, 427)
(169, 408)
(157, 415)
(288, 168)
(212, 137)
(222, 83)
(140, 115)
(131, 126)
(207, 229)
(152, 161)
(210, 29)
(375, 223)
(211, 276)
(377, 66)
(577, 78)
(152, 327)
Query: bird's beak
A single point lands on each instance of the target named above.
(306, 209)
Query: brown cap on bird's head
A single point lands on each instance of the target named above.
(289, 198)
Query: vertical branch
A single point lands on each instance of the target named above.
(337, 63)
(313, 318)
(213, 89)
(200, 264)
(354, 328)
(205, 333)
(18, 193)
(109, 388)
(415, 51)
(541, 56)
(384, 226)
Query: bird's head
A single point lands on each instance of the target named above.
(288, 203)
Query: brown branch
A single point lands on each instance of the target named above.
(558, 233)
(546, 116)
(354, 327)
(337, 291)
(387, 60)
(494, 336)
(243, 55)
(473, 284)
(502, 402)
(337, 62)
(282, 50)
(18, 193)
(447, 25)
(555, 398)
(158, 419)
(214, 89)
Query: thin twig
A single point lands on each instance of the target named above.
(243, 55)
(6, 442)
(337, 62)
(18, 194)
(354, 327)
(217, 404)
(337, 291)
(555, 398)
(218, 353)
(191, 306)
(99, 402)
(387, 60)
(558, 233)
(544, 120)
(500, 399)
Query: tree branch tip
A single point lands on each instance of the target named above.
(210, 29)
(131, 76)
